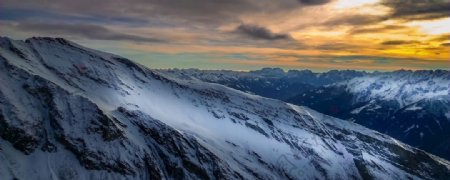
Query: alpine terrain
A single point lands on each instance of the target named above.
(267, 82)
(69, 112)
(411, 106)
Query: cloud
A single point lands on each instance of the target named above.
(87, 31)
(418, 9)
(237, 26)
(258, 32)
(192, 12)
(314, 2)
(39, 15)
(443, 37)
(398, 42)
(406, 10)
(337, 46)
(382, 29)
(355, 19)
(445, 44)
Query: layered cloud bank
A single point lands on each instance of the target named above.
(248, 34)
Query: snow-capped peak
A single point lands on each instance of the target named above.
(71, 112)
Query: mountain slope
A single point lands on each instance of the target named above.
(68, 112)
(410, 106)
(267, 82)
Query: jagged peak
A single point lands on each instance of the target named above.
(109, 144)
(59, 40)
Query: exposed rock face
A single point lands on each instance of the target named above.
(411, 106)
(69, 112)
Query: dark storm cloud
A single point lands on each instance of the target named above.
(314, 2)
(192, 15)
(87, 31)
(398, 42)
(406, 10)
(418, 9)
(184, 11)
(32, 14)
(150, 10)
(258, 32)
(200, 11)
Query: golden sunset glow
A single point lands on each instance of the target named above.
(320, 34)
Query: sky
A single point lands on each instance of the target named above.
(320, 35)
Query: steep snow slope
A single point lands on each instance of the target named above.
(68, 112)
(408, 105)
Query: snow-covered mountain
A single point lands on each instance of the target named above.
(69, 112)
(267, 82)
(403, 87)
(412, 106)
(384, 101)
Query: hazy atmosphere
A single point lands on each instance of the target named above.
(247, 34)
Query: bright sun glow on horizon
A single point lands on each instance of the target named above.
(247, 34)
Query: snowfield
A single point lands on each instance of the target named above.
(69, 112)
(404, 87)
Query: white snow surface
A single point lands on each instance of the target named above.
(402, 87)
(249, 135)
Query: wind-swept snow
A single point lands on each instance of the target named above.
(70, 112)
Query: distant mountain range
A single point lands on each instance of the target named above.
(69, 112)
(412, 106)
(267, 82)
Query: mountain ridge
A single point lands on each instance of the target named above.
(65, 104)
(384, 101)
